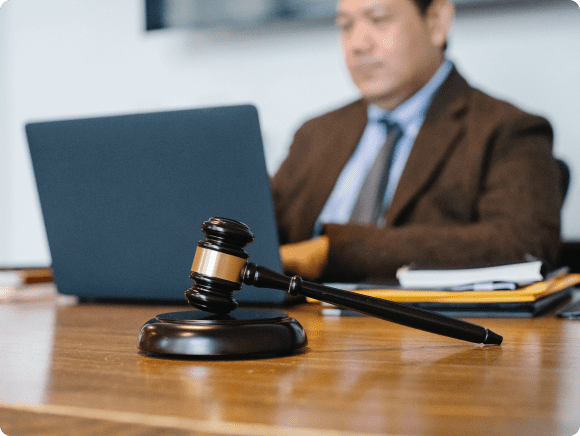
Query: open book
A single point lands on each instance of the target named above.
(515, 274)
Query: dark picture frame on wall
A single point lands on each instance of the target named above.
(199, 14)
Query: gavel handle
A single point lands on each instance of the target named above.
(263, 277)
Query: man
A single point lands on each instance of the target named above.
(470, 180)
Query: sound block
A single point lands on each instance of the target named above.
(203, 334)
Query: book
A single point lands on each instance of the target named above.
(517, 274)
(527, 301)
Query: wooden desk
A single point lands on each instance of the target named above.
(76, 371)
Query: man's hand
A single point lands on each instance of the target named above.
(306, 258)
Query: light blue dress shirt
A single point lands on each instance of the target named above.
(409, 116)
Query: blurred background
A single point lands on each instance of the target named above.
(69, 59)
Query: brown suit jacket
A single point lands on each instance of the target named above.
(480, 187)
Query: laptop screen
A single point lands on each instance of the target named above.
(123, 198)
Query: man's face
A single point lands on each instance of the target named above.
(389, 47)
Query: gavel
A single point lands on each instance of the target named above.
(221, 266)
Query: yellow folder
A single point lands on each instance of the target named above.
(532, 292)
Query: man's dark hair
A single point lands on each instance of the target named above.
(423, 5)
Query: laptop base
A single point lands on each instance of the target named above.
(244, 333)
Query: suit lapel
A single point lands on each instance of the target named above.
(442, 127)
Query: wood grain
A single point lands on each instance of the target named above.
(76, 370)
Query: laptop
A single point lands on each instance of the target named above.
(123, 198)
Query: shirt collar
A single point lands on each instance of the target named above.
(413, 110)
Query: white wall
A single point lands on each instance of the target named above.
(65, 58)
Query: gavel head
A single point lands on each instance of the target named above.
(219, 265)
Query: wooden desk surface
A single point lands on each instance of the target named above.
(76, 370)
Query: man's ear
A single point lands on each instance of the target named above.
(440, 17)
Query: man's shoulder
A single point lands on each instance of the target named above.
(486, 106)
(457, 94)
(486, 116)
(483, 102)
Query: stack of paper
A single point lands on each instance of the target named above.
(528, 293)
(26, 285)
(525, 301)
